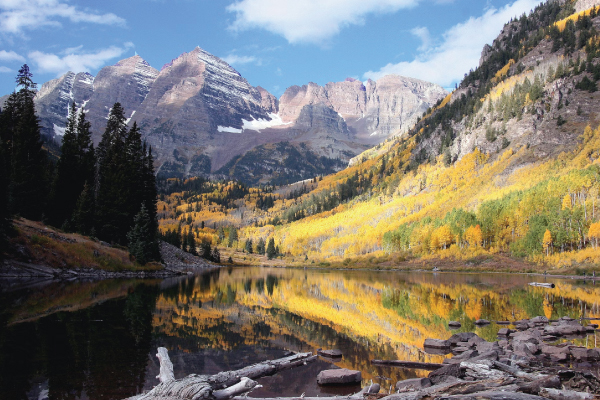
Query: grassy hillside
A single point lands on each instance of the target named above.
(37, 244)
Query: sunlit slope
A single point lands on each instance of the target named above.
(508, 164)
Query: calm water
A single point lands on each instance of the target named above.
(98, 340)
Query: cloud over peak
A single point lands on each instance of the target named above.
(308, 21)
(460, 47)
(76, 61)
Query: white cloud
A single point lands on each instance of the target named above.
(11, 56)
(84, 62)
(5, 70)
(422, 33)
(460, 49)
(18, 15)
(308, 20)
(234, 59)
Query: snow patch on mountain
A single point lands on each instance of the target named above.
(229, 129)
(260, 124)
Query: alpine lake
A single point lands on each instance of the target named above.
(98, 340)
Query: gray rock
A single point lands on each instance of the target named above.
(374, 388)
(539, 320)
(413, 384)
(482, 322)
(436, 344)
(505, 332)
(330, 353)
(460, 337)
(338, 376)
(454, 324)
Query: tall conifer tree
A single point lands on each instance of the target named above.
(28, 165)
(113, 219)
(74, 168)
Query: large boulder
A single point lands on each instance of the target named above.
(338, 376)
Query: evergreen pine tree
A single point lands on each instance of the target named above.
(112, 214)
(140, 246)
(28, 165)
(83, 215)
(5, 221)
(260, 248)
(74, 168)
(248, 246)
(150, 193)
(191, 242)
(206, 250)
(271, 249)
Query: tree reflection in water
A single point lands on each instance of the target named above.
(92, 340)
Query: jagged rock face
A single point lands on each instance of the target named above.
(586, 4)
(55, 97)
(390, 105)
(128, 82)
(320, 118)
(268, 102)
(394, 103)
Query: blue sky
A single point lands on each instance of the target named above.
(272, 43)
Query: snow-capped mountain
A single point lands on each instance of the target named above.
(199, 114)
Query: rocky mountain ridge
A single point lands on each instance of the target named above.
(198, 113)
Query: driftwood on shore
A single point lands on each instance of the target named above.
(221, 386)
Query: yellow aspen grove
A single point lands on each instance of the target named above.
(566, 203)
(594, 233)
(547, 241)
(474, 236)
(444, 236)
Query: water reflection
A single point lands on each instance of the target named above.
(91, 340)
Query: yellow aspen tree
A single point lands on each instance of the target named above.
(478, 236)
(444, 236)
(435, 241)
(566, 203)
(594, 233)
(547, 242)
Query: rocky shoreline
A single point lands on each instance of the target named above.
(533, 361)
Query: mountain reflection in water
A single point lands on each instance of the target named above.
(87, 340)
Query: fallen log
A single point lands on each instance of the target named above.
(516, 372)
(543, 284)
(408, 364)
(221, 386)
(534, 387)
(355, 396)
(556, 394)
